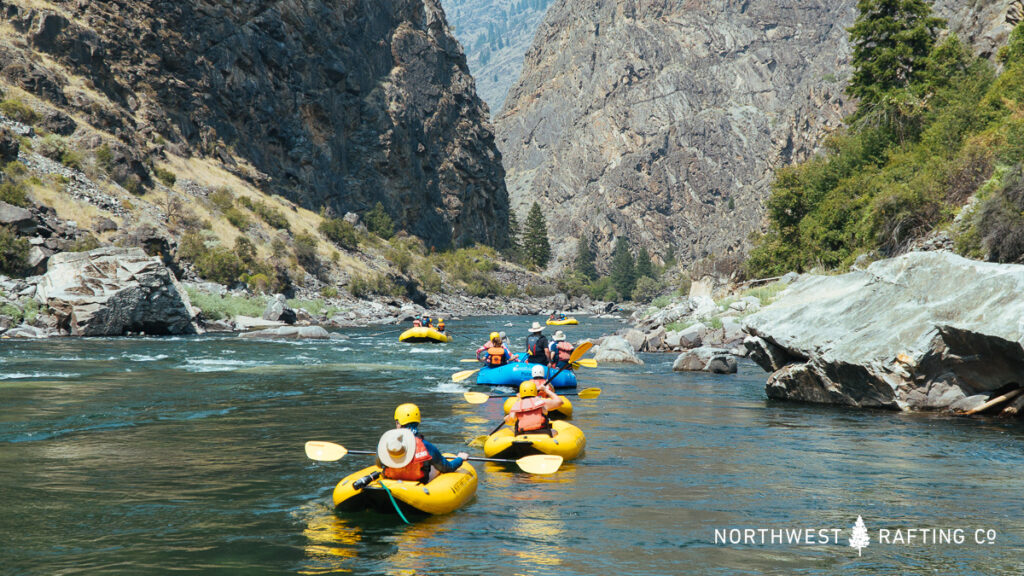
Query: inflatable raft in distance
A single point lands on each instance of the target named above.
(423, 334)
(515, 373)
(566, 322)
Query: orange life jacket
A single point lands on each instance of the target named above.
(529, 414)
(440, 327)
(496, 356)
(413, 471)
(564, 349)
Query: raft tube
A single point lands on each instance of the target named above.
(423, 334)
(568, 442)
(566, 322)
(444, 494)
(564, 411)
(515, 373)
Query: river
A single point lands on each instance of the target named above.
(147, 455)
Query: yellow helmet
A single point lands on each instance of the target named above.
(528, 389)
(406, 414)
(495, 336)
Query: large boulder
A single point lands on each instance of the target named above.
(21, 219)
(290, 333)
(279, 310)
(616, 349)
(635, 338)
(705, 359)
(692, 336)
(113, 291)
(922, 331)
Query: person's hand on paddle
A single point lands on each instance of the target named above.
(462, 455)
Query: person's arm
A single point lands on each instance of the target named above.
(553, 402)
(442, 464)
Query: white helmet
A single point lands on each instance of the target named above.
(538, 371)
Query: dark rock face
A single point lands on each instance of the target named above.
(335, 104)
(665, 120)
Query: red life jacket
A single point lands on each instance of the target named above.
(529, 414)
(496, 356)
(564, 349)
(414, 471)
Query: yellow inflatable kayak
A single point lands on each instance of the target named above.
(565, 322)
(568, 442)
(423, 334)
(444, 494)
(564, 411)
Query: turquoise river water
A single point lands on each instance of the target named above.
(185, 455)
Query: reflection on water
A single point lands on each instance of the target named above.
(136, 456)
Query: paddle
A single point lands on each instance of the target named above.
(536, 464)
(469, 360)
(586, 363)
(460, 376)
(576, 355)
(480, 397)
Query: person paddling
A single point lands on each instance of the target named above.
(417, 322)
(494, 352)
(530, 412)
(561, 349)
(537, 346)
(406, 455)
(440, 324)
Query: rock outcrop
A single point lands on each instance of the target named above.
(924, 331)
(616, 349)
(114, 291)
(332, 104)
(664, 121)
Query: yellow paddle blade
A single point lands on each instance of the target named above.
(580, 351)
(325, 451)
(469, 360)
(587, 362)
(589, 393)
(475, 397)
(477, 442)
(460, 376)
(540, 464)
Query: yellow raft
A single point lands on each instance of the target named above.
(444, 494)
(423, 334)
(566, 322)
(564, 411)
(568, 442)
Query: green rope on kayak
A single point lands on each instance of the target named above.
(395, 504)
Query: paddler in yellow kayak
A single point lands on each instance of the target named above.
(536, 398)
(406, 455)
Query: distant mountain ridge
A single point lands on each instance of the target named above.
(664, 121)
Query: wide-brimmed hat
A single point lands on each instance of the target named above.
(559, 336)
(536, 327)
(396, 448)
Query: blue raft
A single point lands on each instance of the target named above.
(515, 373)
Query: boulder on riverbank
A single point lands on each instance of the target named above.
(291, 333)
(114, 291)
(706, 359)
(923, 331)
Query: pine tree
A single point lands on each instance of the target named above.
(623, 273)
(643, 264)
(515, 233)
(891, 43)
(859, 539)
(536, 248)
(585, 259)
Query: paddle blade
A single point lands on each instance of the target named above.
(460, 376)
(325, 451)
(589, 393)
(580, 351)
(587, 362)
(540, 464)
(475, 397)
(477, 442)
(474, 360)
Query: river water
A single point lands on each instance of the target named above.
(143, 456)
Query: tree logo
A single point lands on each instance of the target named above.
(859, 539)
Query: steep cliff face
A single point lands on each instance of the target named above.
(664, 120)
(495, 34)
(333, 104)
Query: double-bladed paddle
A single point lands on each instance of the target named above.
(537, 464)
(480, 397)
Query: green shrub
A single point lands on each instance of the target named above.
(401, 259)
(223, 199)
(19, 111)
(329, 291)
(361, 286)
(165, 176)
(215, 263)
(237, 218)
(340, 232)
(104, 158)
(272, 216)
(14, 193)
(85, 243)
(216, 307)
(541, 290)
(379, 222)
(13, 252)
(305, 251)
(767, 293)
(646, 289)
(53, 146)
(661, 301)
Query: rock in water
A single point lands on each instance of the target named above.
(616, 349)
(113, 291)
(922, 331)
(705, 359)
